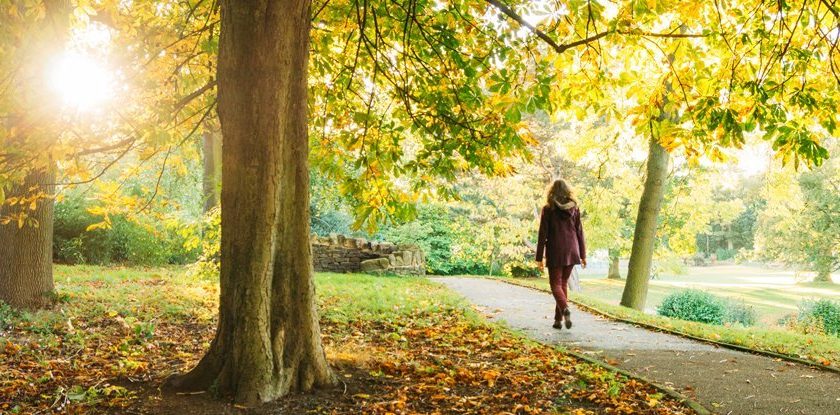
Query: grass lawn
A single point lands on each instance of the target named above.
(773, 293)
(820, 349)
(397, 344)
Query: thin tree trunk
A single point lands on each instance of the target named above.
(823, 276)
(614, 273)
(268, 339)
(644, 236)
(824, 267)
(26, 279)
(212, 177)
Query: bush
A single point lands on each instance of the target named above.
(723, 254)
(522, 269)
(209, 242)
(740, 313)
(138, 241)
(693, 305)
(823, 314)
(332, 221)
(7, 315)
(432, 232)
(700, 306)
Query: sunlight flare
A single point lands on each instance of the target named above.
(82, 82)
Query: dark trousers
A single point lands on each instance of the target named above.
(558, 278)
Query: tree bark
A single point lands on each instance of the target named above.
(823, 267)
(268, 339)
(26, 279)
(614, 273)
(644, 236)
(212, 176)
(823, 276)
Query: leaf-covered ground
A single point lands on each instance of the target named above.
(399, 346)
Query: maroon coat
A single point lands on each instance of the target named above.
(561, 237)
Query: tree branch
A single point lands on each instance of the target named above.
(560, 48)
(195, 94)
(668, 35)
(540, 34)
(103, 149)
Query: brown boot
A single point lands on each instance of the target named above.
(566, 317)
(558, 324)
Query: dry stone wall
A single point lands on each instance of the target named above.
(337, 253)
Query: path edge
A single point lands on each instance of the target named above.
(695, 406)
(739, 348)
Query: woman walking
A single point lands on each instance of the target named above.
(561, 242)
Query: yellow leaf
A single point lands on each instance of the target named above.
(98, 225)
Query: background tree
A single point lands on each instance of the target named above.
(799, 225)
(30, 33)
(722, 102)
(50, 142)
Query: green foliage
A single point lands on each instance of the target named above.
(144, 331)
(723, 254)
(209, 243)
(824, 314)
(137, 241)
(800, 225)
(450, 246)
(432, 231)
(522, 269)
(702, 307)
(693, 305)
(7, 315)
(331, 221)
(739, 312)
(326, 208)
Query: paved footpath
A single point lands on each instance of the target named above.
(724, 380)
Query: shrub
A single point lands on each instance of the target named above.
(739, 312)
(432, 232)
(7, 315)
(522, 269)
(138, 241)
(331, 221)
(693, 305)
(824, 314)
(209, 243)
(723, 254)
(700, 306)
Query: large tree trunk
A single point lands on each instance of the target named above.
(644, 236)
(268, 339)
(614, 273)
(26, 279)
(211, 179)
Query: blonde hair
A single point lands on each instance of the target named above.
(558, 191)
